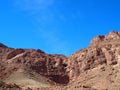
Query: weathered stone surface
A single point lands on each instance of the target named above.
(4, 86)
(111, 38)
(14, 53)
(103, 50)
(50, 66)
(85, 69)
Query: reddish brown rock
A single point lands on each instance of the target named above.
(85, 69)
(102, 51)
(14, 53)
(97, 40)
(112, 37)
(4, 86)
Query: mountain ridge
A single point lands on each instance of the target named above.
(82, 70)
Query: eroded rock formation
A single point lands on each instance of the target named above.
(81, 70)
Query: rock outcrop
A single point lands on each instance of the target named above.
(50, 66)
(15, 53)
(88, 68)
(111, 38)
(103, 50)
(4, 86)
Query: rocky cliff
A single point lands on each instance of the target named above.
(93, 68)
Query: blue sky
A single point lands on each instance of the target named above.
(56, 26)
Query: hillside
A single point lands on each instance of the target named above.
(93, 68)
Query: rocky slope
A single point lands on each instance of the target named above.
(93, 68)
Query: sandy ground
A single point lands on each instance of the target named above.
(27, 79)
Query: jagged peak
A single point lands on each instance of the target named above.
(113, 35)
(88, 68)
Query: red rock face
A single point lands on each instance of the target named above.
(50, 66)
(14, 53)
(4, 86)
(101, 40)
(97, 40)
(103, 50)
(112, 36)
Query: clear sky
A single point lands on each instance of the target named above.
(56, 26)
